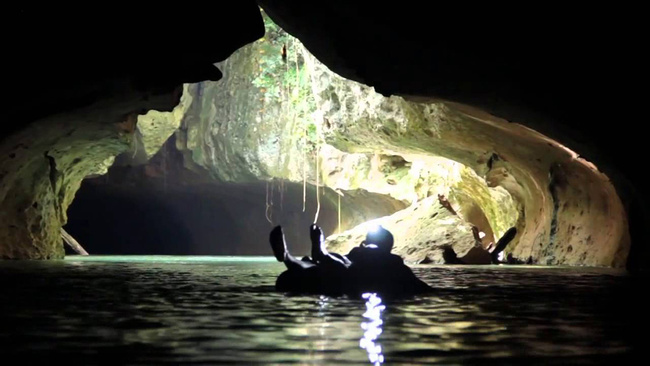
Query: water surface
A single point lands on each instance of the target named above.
(210, 310)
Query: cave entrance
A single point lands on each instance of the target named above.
(249, 151)
(162, 208)
(437, 174)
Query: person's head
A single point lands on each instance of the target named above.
(379, 237)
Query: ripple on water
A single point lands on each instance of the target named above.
(214, 309)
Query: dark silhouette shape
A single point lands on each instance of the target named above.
(381, 238)
(450, 256)
(490, 163)
(445, 203)
(502, 243)
(369, 267)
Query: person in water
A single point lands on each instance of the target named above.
(370, 267)
(378, 241)
(319, 254)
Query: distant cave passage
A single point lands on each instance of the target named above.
(208, 219)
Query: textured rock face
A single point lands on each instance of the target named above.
(262, 121)
(565, 210)
(43, 166)
(245, 127)
(571, 213)
(421, 231)
(511, 65)
(419, 179)
(73, 111)
(155, 127)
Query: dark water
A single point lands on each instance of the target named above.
(211, 310)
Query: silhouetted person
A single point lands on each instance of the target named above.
(378, 238)
(319, 253)
(375, 269)
(478, 255)
(450, 256)
(369, 267)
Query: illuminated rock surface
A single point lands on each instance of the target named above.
(72, 112)
(500, 175)
(566, 211)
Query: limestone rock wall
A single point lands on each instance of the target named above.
(155, 127)
(268, 118)
(421, 232)
(74, 103)
(497, 174)
(535, 76)
(44, 164)
(570, 212)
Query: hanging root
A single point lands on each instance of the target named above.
(135, 144)
(271, 200)
(304, 172)
(266, 212)
(317, 183)
(339, 194)
(317, 206)
(339, 209)
(295, 52)
(281, 194)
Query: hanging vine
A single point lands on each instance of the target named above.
(317, 178)
(281, 188)
(268, 212)
(339, 212)
(339, 194)
(285, 82)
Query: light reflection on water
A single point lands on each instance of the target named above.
(372, 328)
(171, 310)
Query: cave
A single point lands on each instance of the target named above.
(170, 210)
(178, 135)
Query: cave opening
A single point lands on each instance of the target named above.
(256, 142)
(458, 132)
(160, 207)
(279, 124)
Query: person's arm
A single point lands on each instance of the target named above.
(281, 253)
(317, 249)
